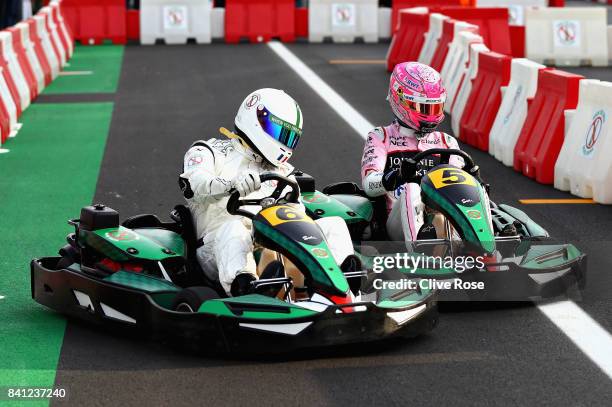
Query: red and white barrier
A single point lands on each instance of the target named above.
(485, 98)
(584, 166)
(450, 29)
(541, 137)
(175, 21)
(513, 110)
(516, 8)
(54, 35)
(343, 21)
(465, 87)
(384, 22)
(456, 64)
(64, 32)
(567, 36)
(11, 63)
(8, 106)
(32, 58)
(39, 51)
(408, 40)
(46, 46)
(432, 37)
(24, 61)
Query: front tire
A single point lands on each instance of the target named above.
(190, 299)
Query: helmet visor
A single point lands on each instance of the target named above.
(284, 132)
(428, 109)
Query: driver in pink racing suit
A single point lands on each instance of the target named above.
(417, 96)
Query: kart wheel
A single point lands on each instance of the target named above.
(190, 299)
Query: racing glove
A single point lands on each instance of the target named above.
(247, 183)
(396, 177)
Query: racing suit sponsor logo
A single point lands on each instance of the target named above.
(223, 146)
(195, 160)
(375, 185)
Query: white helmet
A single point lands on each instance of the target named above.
(270, 122)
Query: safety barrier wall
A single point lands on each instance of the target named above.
(610, 43)
(398, 5)
(175, 21)
(344, 21)
(31, 55)
(432, 37)
(484, 100)
(456, 64)
(259, 20)
(584, 166)
(408, 40)
(450, 28)
(517, 40)
(94, 21)
(217, 22)
(465, 87)
(9, 61)
(541, 137)
(567, 36)
(516, 8)
(513, 110)
(384, 22)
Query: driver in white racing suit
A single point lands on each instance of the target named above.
(268, 126)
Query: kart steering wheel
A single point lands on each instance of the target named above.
(411, 164)
(234, 202)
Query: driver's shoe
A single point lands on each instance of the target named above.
(350, 265)
(274, 269)
(242, 284)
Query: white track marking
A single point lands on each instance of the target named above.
(577, 325)
(2, 297)
(333, 99)
(76, 73)
(583, 330)
(4, 150)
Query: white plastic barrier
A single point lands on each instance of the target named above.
(384, 22)
(584, 166)
(516, 8)
(513, 109)
(175, 21)
(62, 29)
(465, 88)
(47, 47)
(610, 42)
(343, 21)
(28, 45)
(15, 69)
(54, 34)
(217, 22)
(9, 104)
(567, 36)
(432, 37)
(455, 64)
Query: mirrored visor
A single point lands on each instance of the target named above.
(280, 130)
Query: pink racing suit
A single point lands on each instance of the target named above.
(384, 150)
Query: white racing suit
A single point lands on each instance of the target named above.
(384, 150)
(210, 168)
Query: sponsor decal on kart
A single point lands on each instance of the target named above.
(445, 177)
(319, 252)
(474, 214)
(122, 235)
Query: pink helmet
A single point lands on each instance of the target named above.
(417, 96)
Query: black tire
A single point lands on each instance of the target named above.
(190, 299)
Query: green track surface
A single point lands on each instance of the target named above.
(48, 175)
(104, 61)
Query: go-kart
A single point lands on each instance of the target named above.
(143, 275)
(518, 259)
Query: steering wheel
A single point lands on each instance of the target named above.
(234, 202)
(411, 165)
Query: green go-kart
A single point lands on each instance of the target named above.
(513, 258)
(143, 275)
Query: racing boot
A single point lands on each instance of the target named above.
(242, 284)
(274, 269)
(350, 265)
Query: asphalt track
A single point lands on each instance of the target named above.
(512, 355)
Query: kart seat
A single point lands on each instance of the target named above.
(344, 188)
(149, 221)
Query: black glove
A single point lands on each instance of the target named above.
(407, 172)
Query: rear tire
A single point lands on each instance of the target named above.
(190, 299)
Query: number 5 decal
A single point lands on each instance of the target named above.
(450, 176)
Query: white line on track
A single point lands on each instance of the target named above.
(2, 297)
(576, 324)
(333, 99)
(76, 73)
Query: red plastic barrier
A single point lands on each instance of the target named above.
(12, 87)
(556, 3)
(517, 40)
(492, 25)
(133, 24)
(408, 40)
(541, 138)
(24, 63)
(94, 21)
(38, 49)
(301, 22)
(448, 32)
(5, 125)
(485, 98)
(259, 20)
(397, 5)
